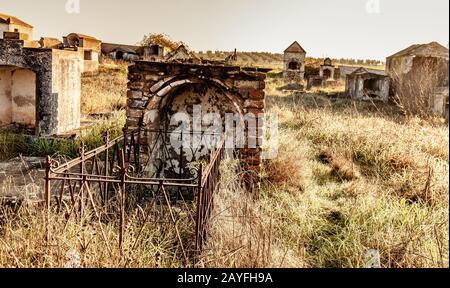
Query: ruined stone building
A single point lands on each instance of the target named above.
(294, 63)
(424, 67)
(90, 46)
(12, 24)
(365, 85)
(160, 90)
(39, 87)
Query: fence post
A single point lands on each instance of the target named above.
(122, 198)
(47, 199)
(105, 172)
(83, 180)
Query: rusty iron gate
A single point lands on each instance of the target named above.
(102, 181)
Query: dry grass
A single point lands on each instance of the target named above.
(274, 61)
(415, 92)
(371, 179)
(14, 144)
(241, 232)
(79, 241)
(342, 168)
(286, 169)
(349, 177)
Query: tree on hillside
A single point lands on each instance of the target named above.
(162, 40)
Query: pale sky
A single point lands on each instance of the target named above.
(333, 28)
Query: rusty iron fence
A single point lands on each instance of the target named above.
(103, 181)
(209, 183)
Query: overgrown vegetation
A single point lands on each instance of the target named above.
(416, 91)
(105, 91)
(349, 177)
(161, 40)
(78, 243)
(13, 144)
(370, 179)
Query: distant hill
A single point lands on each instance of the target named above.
(275, 60)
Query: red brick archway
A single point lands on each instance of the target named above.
(152, 86)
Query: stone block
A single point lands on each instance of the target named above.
(247, 84)
(134, 113)
(139, 85)
(152, 77)
(256, 94)
(134, 94)
(132, 103)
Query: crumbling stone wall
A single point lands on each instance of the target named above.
(158, 89)
(58, 84)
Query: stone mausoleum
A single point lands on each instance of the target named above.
(40, 88)
(159, 90)
(294, 63)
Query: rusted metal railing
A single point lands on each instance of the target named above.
(100, 181)
(209, 182)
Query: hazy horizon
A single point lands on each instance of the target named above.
(362, 29)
